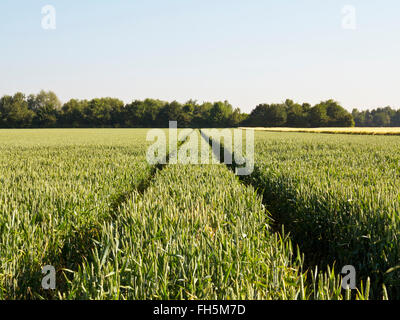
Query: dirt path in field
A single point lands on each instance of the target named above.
(312, 258)
(78, 249)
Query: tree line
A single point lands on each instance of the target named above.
(290, 114)
(380, 117)
(44, 110)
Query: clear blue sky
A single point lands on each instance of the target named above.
(247, 51)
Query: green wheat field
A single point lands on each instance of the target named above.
(87, 202)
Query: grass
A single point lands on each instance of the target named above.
(57, 187)
(87, 202)
(189, 237)
(339, 198)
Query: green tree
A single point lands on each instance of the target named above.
(44, 99)
(257, 116)
(318, 116)
(46, 107)
(296, 116)
(73, 114)
(276, 115)
(201, 115)
(100, 112)
(220, 114)
(14, 112)
(330, 114)
(170, 112)
(381, 119)
(236, 118)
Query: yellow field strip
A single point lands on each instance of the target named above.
(366, 131)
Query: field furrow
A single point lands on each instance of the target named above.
(54, 199)
(339, 198)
